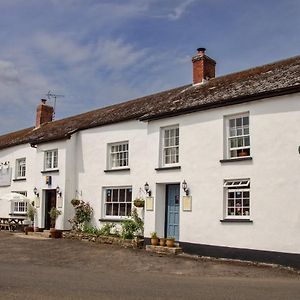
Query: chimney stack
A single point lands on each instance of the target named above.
(44, 113)
(203, 67)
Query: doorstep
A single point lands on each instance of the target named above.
(164, 250)
(43, 234)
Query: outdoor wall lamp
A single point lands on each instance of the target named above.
(185, 188)
(58, 191)
(147, 190)
(35, 191)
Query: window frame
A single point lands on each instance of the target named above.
(105, 202)
(110, 155)
(14, 202)
(52, 167)
(163, 147)
(238, 185)
(18, 175)
(243, 136)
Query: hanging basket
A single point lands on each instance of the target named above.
(139, 202)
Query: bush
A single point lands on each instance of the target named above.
(83, 214)
(132, 227)
(106, 229)
(91, 230)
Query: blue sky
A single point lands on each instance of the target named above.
(99, 52)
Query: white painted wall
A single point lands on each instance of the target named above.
(274, 174)
(11, 155)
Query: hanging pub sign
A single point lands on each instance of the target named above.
(5, 176)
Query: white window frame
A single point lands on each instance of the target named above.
(242, 137)
(53, 163)
(234, 186)
(122, 156)
(21, 168)
(105, 202)
(19, 204)
(165, 147)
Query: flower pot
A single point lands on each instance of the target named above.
(36, 229)
(170, 242)
(52, 232)
(28, 229)
(139, 203)
(162, 242)
(154, 242)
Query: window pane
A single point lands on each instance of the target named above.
(108, 209)
(122, 195)
(115, 210)
(245, 120)
(115, 195)
(108, 195)
(122, 209)
(128, 195)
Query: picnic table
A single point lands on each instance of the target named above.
(11, 223)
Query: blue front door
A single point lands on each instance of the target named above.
(172, 210)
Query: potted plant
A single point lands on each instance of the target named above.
(139, 202)
(54, 213)
(162, 242)
(154, 239)
(31, 212)
(170, 241)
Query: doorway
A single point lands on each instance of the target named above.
(172, 210)
(50, 201)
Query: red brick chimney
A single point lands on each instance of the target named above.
(44, 113)
(203, 67)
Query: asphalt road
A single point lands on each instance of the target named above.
(64, 269)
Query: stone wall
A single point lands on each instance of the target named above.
(78, 235)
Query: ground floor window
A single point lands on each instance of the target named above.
(118, 201)
(20, 206)
(237, 197)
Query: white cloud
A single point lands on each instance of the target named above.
(8, 72)
(180, 9)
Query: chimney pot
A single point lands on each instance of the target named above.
(203, 67)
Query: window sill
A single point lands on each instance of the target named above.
(112, 219)
(168, 168)
(116, 170)
(236, 221)
(50, 171)
(235, 159)
(19, 179)
(15, 214)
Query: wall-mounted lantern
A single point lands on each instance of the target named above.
(35, 191)
(185, 187)
(147, 190)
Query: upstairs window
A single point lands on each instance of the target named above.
(118, 155)
(21, 168)
(237, 194)
(170, 145)
(238, 136)
(51, 159)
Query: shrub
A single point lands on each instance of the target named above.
(91, 229)
(83, 214)
(132, 226)
(106, 229)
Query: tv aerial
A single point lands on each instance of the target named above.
(53, 96)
